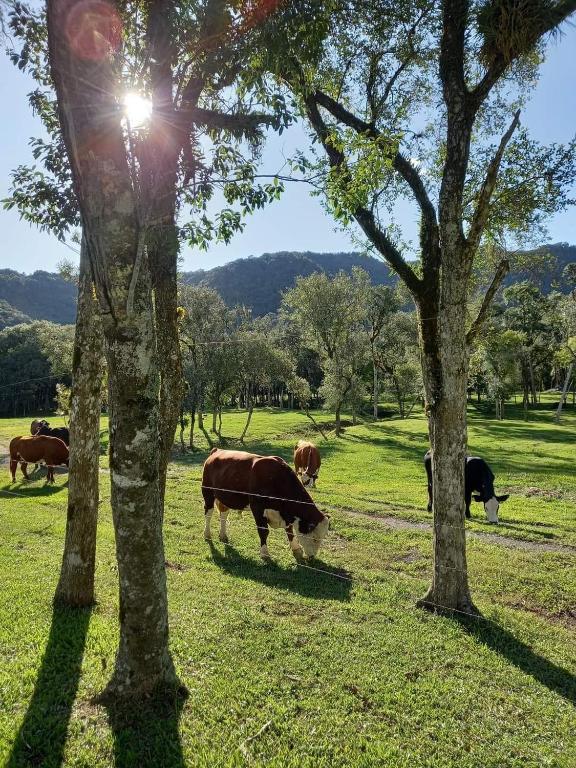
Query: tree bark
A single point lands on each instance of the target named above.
(76, 584)
(375, 390)
(445, 369)
(564, 393)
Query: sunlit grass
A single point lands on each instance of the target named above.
(336, 672)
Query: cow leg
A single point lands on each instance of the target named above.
(50, 475)
(223, 516)
(208, 510)
(297, 550)
(429, 507)
(468, 500)
(13, 468)
(23, 466)
(263, 531)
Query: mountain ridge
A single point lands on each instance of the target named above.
(256, 282)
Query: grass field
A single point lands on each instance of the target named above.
(289, 667)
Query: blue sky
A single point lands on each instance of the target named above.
(297, 222)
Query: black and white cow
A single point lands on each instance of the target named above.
(477, 477)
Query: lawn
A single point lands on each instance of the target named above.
(286, 666)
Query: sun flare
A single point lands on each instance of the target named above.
(137, 109)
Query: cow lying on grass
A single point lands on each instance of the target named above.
(307, 463)
(477, 477)
(236, 480)
(26, 450)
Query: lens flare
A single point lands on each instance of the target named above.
(94, 30)
(137, 109)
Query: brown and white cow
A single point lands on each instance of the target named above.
(307, 463)
(27, 450)
(266, 484)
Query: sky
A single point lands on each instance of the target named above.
(295, 223)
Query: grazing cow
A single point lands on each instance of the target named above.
(38, 448)
(307, 463)
(43, 428)
(477, 477)
(236, 480)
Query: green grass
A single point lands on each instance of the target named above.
(288, 667)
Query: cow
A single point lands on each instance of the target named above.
(266, 484)
(307, 463)
(41, 427)
(477, 477)
(25, 449)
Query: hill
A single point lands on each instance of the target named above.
(256, 281)
(40, 296)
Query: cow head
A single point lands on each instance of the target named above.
(37, 425)
(491, 506)
(312, 538)
(309, 481)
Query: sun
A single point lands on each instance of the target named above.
(137, 109)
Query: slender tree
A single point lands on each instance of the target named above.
(403, 100)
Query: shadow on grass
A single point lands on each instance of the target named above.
(331, 584)
(557, 679)
(42, 735)
(146, 734)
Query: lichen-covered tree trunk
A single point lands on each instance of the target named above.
(163, 252)
(445, 367)
(143, 661)
(76, 584)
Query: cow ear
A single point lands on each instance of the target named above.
(503, 498)
(477, 498)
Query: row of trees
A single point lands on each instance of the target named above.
(403, 99)
(335, 339)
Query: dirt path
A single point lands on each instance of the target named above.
(398, 523)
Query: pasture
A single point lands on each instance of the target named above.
(289, 667)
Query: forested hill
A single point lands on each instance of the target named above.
(40, 296)
(258, 282)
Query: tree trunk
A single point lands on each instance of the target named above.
(445, 377)
(182, 428)
(243, 435)
(214, 416)
(192, 421)
(564, 393)
(76, 584)
(375, 391)
(338, 426)
(143, 661)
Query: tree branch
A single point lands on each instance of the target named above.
(363, 216)
(400, 164)
(550, 21)
(501, 272)
(483, 205)
(245, 123)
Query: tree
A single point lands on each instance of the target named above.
(127, 185)
(34, 357)
(76, 583)
(382, 302)
(403, 100)
(526, 314)
(330, 312)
